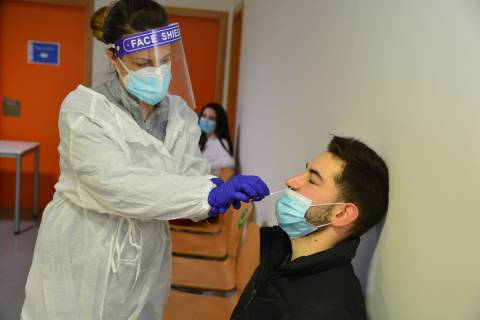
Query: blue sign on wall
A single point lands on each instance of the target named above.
(44, 52)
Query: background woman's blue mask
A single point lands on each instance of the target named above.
(207, 126)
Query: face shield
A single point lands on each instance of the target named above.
(155, 65)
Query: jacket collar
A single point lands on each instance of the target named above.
(276, 253)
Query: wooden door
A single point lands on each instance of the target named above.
(40, 88)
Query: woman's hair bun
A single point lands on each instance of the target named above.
(96, 22)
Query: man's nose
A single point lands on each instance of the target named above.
(295, 182)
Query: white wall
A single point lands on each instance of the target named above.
(404, 77)
(101, 68)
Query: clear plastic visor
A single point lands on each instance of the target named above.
(146, 54)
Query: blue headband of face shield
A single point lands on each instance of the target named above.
(290, 211)
(147, 39)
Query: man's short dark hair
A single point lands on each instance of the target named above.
(363, 181)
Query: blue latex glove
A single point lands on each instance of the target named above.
(239, 188)
(214, 211)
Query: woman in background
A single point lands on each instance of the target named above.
(215, 142)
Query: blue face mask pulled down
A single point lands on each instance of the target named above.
(290, 211)
(149, 84)
(207, 126)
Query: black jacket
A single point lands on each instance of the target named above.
(321, 286)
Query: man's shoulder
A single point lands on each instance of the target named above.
(325, 294)
(328, 311)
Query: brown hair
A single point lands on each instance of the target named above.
(125, 17)
(96, 22)
(364, 181)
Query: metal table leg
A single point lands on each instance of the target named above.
(18, 184)
(35, 183)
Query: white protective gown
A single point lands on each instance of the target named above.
(103, 249)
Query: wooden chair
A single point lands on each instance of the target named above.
(207, 226)
(207, 246)
(188, 306)
(213, 274)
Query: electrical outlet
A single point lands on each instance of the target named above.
(11, 107)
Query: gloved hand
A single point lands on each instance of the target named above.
(238, 188)
(214, 211)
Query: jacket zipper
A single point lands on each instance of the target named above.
(251, 298)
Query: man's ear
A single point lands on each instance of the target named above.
(344, 215)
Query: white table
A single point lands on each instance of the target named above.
(17, 149)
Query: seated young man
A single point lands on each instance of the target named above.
(305, 267)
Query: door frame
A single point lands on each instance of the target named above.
(234, 70)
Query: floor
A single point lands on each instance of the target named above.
(15, 258)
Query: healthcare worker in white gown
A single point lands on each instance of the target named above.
(130, 161)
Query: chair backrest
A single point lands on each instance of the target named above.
(248, 257)
(226, 173)
(239, 219)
